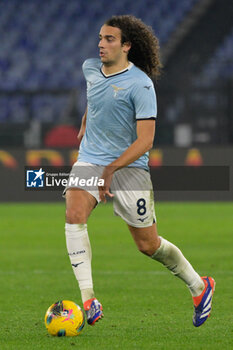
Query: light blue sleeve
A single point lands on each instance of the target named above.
(90, 66)
(85, 67)
(144, 100)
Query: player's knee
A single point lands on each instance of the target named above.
(148, 248)
(75, 216)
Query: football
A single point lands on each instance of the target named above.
(64, 318)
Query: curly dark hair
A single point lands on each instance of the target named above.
(144, 51)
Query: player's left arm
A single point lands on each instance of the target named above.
(143, 143)
(83, 127)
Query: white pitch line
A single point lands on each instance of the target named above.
(101, 272)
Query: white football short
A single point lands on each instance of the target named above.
(133, 192)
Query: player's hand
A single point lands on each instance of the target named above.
(105, 189)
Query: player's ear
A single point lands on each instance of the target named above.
(126, 46)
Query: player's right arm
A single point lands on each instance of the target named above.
(83, 127)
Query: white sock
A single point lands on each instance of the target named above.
(79, 250)
(171, 257)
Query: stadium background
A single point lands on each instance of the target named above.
(42, 88)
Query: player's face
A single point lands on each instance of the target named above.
(112, 51)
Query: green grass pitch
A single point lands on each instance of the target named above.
(145, 307)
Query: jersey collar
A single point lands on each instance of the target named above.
(117, 73)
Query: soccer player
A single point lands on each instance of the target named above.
(117, 132)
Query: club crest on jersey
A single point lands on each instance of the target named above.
(116, 90)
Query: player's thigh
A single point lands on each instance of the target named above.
(146, 238)
(79, 205)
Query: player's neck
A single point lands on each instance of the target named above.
(114, 68)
